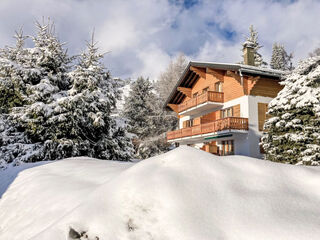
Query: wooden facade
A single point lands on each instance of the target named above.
(205, 86)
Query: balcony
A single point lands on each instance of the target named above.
(203, 102)
(228, 124)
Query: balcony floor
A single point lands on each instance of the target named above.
(202, 108)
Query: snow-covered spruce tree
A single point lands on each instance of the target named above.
(147, 119)
(280, 59)
(16, 76)
(252, 40)
(138, 108)
(46, 81)
(293, 131)
(81, 122)
(12, 74)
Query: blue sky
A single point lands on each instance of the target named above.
(143, 36)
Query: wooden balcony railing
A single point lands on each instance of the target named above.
(214, 126)
(208, 96)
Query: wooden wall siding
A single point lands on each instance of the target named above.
(236, 110)
(264, 87)
(218, 115)
(262, 114)
(196, 121)
(200, 85)
(218, 75)
(232, 89)
(200, 120)
(210, 116)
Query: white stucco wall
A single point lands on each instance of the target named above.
(181, 120)
(244, 143)
(254, 134)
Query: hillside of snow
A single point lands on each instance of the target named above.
(181, 195)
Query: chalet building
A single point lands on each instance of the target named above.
(222, 107)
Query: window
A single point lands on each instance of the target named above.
(187, 123)
(195, 95)
(205, 90)
(262, 114)
(228, 112)
(218, 86)
(227, 148)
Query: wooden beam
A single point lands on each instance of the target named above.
(191, 75)
(216, 74)
(254, 79)
(251, 82)
(185, 91)
(235, 76)
(200, 71)
(174, 107)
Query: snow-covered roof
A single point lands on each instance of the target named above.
(246, 69)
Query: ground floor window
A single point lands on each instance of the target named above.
(227, 148)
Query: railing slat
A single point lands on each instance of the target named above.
(214, 126)
(209, 96)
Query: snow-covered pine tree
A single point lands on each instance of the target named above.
(293, 131)
(147, 119)
(139, 108)
(48, 81)
(16, 75)
(81, 123)
(252, 40)
(50, 121)
(280, 59)
(12, 74)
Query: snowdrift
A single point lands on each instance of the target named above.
(183, 194)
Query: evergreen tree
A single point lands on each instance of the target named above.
(54, 113)
(252, 40)
(280, 59)
(13, 74)
(83, 121)
(16, 75)
(293, 131)
(139, 109)
(49, 82)
(147, 119)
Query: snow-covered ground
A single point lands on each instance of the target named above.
(183, 194)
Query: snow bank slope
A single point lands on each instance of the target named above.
(40, 196)
(184, 194)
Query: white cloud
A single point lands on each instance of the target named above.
(154, 60)
(144, 35)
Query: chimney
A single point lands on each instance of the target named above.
(248, 53)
